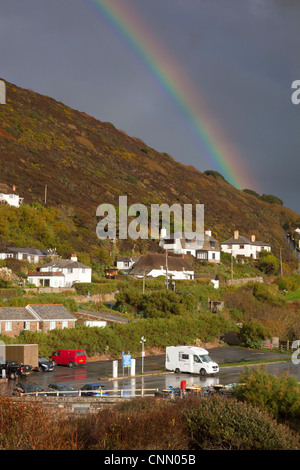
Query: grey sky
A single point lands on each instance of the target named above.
(242, 56)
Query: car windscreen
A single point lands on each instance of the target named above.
(205, 358)
(80, 353)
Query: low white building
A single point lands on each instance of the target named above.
(9, 196)
(204, 249)
(156, 264)
(61, 273)
(124, 263)
(242, 246)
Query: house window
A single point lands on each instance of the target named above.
(70, 270)
(83, 271)
(242, 247)
(52, 325)
(64, 324)
(8, 326)
(26, 325)
(213, 256)
(202, 255)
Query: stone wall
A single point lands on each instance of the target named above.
(62, 407)
(245, 280)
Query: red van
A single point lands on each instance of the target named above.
(69, 357)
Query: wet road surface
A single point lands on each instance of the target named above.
(100, 371)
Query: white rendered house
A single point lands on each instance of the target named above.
(9, 196)
(206, 249)
(61, 273)
(242, 246)
(33, 255)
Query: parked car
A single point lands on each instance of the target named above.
(69, 357)
(93, 390)
(62, 390)
(28, 389)
(13, 369)
(45, 365)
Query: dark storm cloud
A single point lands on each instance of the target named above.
(241, 56)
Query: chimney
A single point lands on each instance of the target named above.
(73, 257)
(236, 234)
(252, 238)
(163, 233)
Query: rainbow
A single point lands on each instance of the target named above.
(172, 78)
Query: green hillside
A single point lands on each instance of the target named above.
(85, 162)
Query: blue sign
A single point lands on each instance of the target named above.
(126, 360)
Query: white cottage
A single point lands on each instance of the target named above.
(8, 196)
(61, 273)
(242, 246)
(204, 249)
(33, 255)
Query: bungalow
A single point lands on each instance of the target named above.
(8, 196)
(33, 255)
(34, 317)
(242, 246)
(204, 249)
(61, 273)
(156, 264)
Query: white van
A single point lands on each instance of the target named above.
(190, 359)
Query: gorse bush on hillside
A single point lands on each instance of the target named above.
(289, 283)
(252, 333)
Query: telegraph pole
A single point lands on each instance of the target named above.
(167, 275)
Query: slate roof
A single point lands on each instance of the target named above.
(65, 264)
(37, 312)
(206, 243)
(243, 241)
(28, 251)
(51, 312)
(15, 313)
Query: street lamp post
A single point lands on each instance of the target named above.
(143, 352)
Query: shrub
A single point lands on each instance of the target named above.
(289, 283)
(19, 431)
(252, 333)
(219, 423)
(141, 424)
(280, 396)
(268, 263)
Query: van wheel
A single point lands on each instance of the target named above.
(202, 372)
(177, 371)
(71, 364)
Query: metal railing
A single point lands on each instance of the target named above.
(119, 393)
